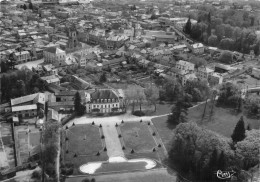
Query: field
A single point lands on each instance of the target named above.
(137, 136)
(123, 166)
(80, 145)
(164, 129)
(223, 120)
(7, 157)
(27, 143)
(143, 139)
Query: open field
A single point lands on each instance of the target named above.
(164, 129)
(84, 141)
(123, 166)
(223, 120)
(137, 136)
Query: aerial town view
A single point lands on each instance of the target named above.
(130, 91)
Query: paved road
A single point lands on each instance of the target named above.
(114, 148)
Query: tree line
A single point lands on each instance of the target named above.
(19, 83)
(215, 32)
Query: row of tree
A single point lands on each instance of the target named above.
(19, 83)
(225, 36)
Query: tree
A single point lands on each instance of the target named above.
(153, 17)
(103, 78)
(213, 40)
(194, 147)
(228, 95)
(227, 44)
(77, 103)
(20, 86)
(221, 163)
(152, 95)
(187, 27)
(247, 150)
(220, 31)
(30, 5)
(85, 180)
(179, 111)
(226, 57)
(239, 131)
(24, 7)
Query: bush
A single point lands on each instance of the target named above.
(100, 114)
(138, 113)
(36, 175)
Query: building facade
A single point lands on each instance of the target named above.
(103, 101)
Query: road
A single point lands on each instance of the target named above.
(30, 64)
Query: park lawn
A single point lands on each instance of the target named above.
(84, 140)
(137, 136)
(161, 109)
(85, 148)
(164, 129)
(223, 120)
(35, 139)
(122, 166)
(80, 160)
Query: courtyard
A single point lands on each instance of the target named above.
(27, 143)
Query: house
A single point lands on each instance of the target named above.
(197, 48)
(165, 38)
(54, 54)
(247, 7)
(81, 59)
(65, 96)
(25, 111)
(62, 106)
(203, 72)
(215, 79)
(103, 101)
(185, 66)
(27, 106)
(54, 79)
(186, 77)
(256, 72)
(22, 57)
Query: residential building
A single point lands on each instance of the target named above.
(54, 55)
(197, 48)
(54, 79)
(27, 106)
(81, 59)
(22, 57)
(215, 79)
(203, 72)
(185, 66)
(25, 111)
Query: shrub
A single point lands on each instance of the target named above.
(138, 113)
(36, 175)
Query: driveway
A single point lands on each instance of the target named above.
(114, 148)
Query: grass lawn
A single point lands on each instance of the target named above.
(156, 175)
(124, 166)
(84, 140)
(164, 129)
(161, 109)
(223, 120)
(137, 136)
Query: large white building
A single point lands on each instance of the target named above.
(54, 55)
(103, 101)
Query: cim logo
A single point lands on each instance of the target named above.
(225, 174)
